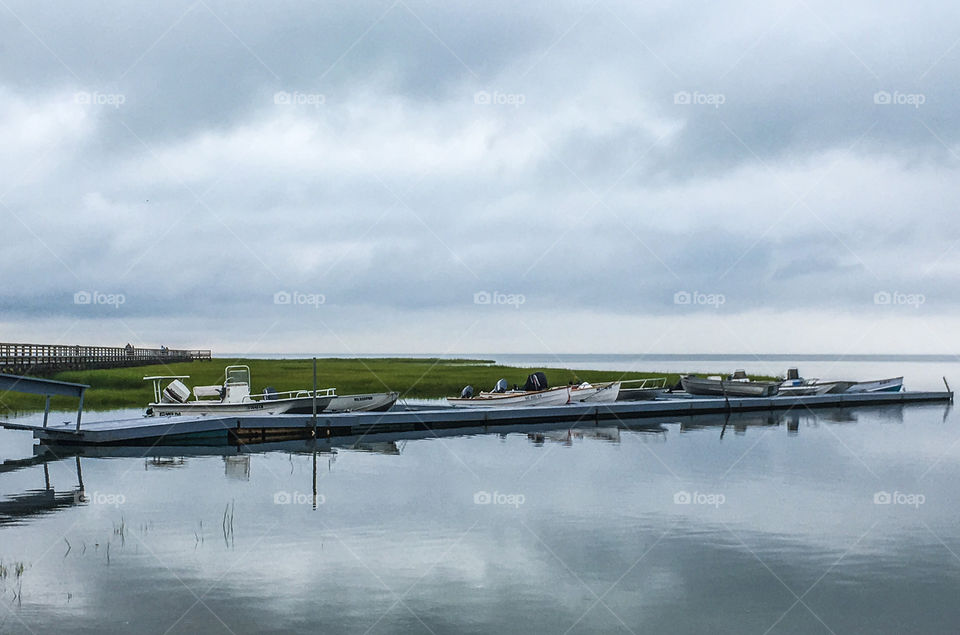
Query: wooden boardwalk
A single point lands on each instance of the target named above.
(42, 359)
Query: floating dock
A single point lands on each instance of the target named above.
(254, 428)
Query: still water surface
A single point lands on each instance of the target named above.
(804, 522)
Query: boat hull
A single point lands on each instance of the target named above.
(640, 394)
(894, 384)
(370, 402)
(549, 397)
(815, 388)
(601, 393)
(296, 405)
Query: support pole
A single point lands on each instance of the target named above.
(314, 401)
(945, 383)
(80, 408)
(46, 412)
(314, 478)
(80, 479)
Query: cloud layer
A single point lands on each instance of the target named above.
(602, 161)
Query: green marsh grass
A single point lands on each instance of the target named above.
(414, 378)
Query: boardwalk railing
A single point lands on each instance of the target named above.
(45, 358)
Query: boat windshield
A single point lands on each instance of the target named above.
(237, 375)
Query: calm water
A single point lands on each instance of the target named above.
(760, 523)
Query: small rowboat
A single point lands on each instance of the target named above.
(606, 392)
(514, 398)
(371, 402)
(642, 389)
(736, 386)
(796, 388)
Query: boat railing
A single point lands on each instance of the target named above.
(291, 394)
(649, 383)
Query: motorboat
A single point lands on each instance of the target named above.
(235, 397)
(515, 398)
(795, 385)
(535, 392)
(232, 397)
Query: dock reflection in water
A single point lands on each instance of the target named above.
(707, 524)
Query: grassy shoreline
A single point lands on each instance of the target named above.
(411, 377)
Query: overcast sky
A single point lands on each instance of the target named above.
(415, 176)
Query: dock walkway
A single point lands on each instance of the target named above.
(259, 428)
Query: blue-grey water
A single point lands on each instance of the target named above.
(841, 520)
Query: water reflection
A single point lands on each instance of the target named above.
(36, 502)
(393, 533)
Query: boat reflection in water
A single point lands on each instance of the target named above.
(567, 437)
(236, 458)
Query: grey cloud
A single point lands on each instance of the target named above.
(400, 192)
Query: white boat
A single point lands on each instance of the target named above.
(894, 384)
(605, 392)
(514, 398)
(798, 387)
(795, 385)
(232, 397)
(370, 402)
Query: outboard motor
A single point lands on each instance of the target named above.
(270, 393)
(793, 374)
(175, 392)
(501, 386)
(536, 381)
(467, 392)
